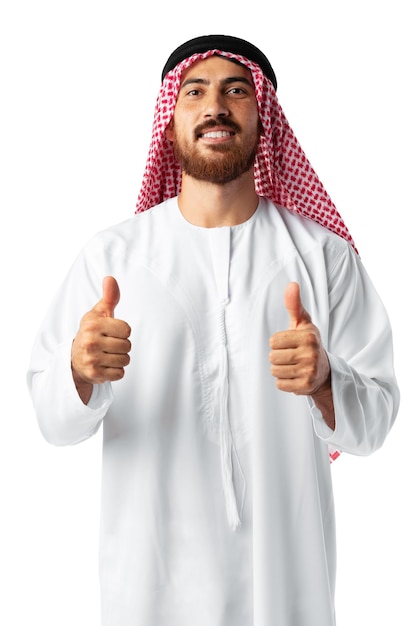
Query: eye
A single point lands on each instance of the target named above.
(236, 90)
(193, 92)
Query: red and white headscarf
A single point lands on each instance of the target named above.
(283, 173)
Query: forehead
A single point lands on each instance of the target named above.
(216, 68)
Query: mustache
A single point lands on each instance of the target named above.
(212, 123)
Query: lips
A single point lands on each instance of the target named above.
(217, 129)
(217, 134)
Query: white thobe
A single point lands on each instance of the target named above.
(198, 399)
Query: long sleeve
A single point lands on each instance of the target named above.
(365, 392)
(63, 418)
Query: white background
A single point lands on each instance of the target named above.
(79, 81)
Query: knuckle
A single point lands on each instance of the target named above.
(118, 374)
(92, 374)
(311, 339)
(123, 360)
(91, 324)
(87, 342)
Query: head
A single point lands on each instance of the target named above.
(216, 128)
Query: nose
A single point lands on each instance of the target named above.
(216, 105)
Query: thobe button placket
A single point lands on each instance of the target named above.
(220, 241)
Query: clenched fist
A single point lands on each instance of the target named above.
(298, 359)
(100, 350)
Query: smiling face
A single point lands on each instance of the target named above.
(215, 129)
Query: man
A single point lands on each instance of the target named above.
(249, 344)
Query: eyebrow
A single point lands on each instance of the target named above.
(225, 81)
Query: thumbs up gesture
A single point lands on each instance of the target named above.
(298, 359)
(100, 348)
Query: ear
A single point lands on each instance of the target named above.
(169, 131)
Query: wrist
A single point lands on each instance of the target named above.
(83, 387)
(323, 399)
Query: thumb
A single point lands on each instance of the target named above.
(294, 306)
(110, 298)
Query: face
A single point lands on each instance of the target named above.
(215, 129)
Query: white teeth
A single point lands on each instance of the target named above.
(217, 134)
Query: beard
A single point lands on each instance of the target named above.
(227, 162)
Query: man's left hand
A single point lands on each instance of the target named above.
(298, 359)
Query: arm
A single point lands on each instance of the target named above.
(360, 351)
(360, 393)
(64, 416)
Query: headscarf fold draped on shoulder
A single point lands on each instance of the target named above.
(283, 173)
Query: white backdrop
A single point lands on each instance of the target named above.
(79, 81)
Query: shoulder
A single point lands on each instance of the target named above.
(304, 235)
(137, 232)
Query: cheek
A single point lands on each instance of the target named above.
(254, 128)
(181, 125)
(249, 119)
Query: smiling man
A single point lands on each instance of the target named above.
(249, 349)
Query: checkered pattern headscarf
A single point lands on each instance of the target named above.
(282, 171)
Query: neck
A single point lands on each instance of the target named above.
(210, 205)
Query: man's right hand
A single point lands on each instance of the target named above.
(100, 348)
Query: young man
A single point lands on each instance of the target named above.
(249, 345)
